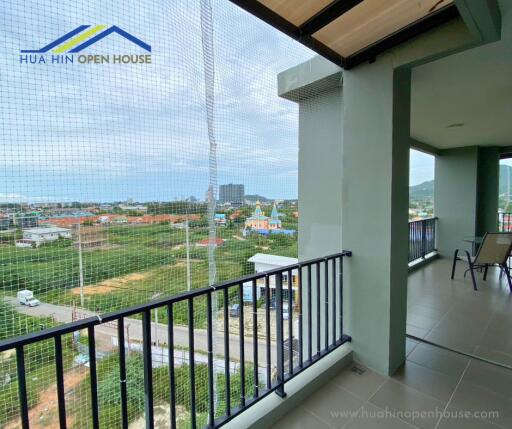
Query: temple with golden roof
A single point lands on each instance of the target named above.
(259, 221)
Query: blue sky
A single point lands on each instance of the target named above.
(421, 167)
(112, 132)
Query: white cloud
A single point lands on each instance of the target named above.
(124, 122)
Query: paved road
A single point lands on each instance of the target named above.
(63, 314)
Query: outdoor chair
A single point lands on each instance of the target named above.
(494, 251)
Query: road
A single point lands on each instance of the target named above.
(63, 314)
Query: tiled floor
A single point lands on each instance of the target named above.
(436, 389)
(451, 313)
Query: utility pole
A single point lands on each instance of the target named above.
(187, 240)
(156, 326)
(155, 296)
(80, 263)
(127, 339)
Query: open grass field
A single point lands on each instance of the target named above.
(139, 263)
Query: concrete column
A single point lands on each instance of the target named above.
(316, 87)
(353, 193)
(466, 195)
(375, 177)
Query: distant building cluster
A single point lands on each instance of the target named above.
(119, 219)
(232, 194)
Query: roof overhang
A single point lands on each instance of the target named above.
(349, 32)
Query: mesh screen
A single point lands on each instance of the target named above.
(113, 162)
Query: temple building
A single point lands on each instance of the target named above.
(259, 221)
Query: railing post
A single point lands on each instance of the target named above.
(333, 311)
(148, 369)
(22, 387)
(279, 326)
(423, 238)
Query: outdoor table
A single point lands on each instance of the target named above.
(475, 241)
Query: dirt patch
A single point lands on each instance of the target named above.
(182, 262)
(107, 286)
(45, 413)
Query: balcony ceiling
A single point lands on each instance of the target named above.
(349, 32)
(466, 99)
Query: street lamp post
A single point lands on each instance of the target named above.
(155, 296)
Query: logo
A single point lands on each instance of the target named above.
(67, 48)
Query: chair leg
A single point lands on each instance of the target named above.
(507, 273)
(485, 272)
(455, 259)
(473, 279)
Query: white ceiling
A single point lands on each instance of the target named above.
(473, 88)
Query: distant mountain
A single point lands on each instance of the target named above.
(255, 197)
(423, 191)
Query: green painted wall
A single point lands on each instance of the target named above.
(455, 197)
(487, 189)
(466, 195)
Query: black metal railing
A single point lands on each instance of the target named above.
(280, 360)
(422, 238)
(504, 222)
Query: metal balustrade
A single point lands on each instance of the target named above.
(422, 238)
(291, 353)
(504, 222)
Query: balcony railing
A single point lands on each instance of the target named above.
(422, 238)
(504, 222)
(318, 331)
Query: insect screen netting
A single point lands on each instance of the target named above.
(138, 142)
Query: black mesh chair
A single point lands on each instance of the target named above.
(493, 252)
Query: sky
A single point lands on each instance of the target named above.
(111, 132)
(421, 167)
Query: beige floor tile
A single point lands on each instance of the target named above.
(421, 321)
(454, 339)
(425, 311)
(410, 345)
(332, 405)
(494, 355)
(490, 377)
(416, 331)
(372, 417)
(433, 383)
(470, 397)
(359, 381)
(407, 404)
(468, 320)
(300, 419)
(458, 419)
(438, 359)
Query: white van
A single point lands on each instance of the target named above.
(26, 297)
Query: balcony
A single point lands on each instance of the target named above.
(276, 347)
(436, 386)
(251, 361)
(227, 376)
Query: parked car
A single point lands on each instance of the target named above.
(234, 311)
(26, 297)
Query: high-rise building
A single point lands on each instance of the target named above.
(231, 193)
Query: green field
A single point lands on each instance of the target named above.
(139, 262)
(142, 261)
